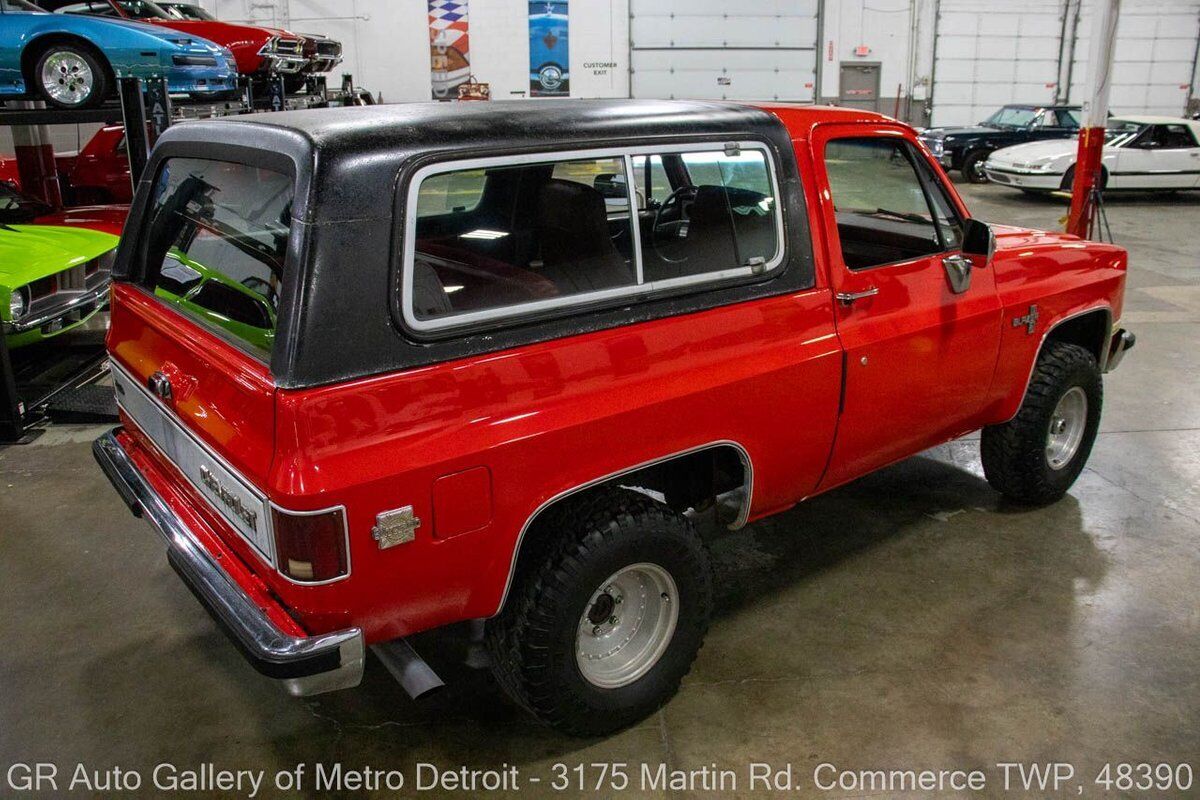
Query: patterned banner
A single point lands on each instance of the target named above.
(549, 49)
(449, 47)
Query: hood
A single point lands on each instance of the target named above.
(86, 26)
(942, 133)
(1033, 151)
(30, 252)
(225, 33)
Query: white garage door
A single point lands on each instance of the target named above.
(1154, 58)
(714, 49)
(988, 54)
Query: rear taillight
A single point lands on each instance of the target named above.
(310, 548)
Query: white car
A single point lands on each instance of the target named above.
(1147, 153)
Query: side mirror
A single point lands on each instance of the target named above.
(978, 240)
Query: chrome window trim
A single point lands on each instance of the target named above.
(508, 312)
(270, 559)
(737, 524)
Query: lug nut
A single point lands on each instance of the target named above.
(596, 631)
(612, 620)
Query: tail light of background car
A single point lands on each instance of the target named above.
(310, 548)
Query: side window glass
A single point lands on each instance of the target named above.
(502, 239)
(1067, 118)
(1177, 136)
(949, 223)
(537, 232)
(450, 192)
(723, 217)
(882, 213)
(651, 179)
(605, 175)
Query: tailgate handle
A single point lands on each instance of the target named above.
(160, 385)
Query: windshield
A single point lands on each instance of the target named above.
(1011, 117)
(186, 11)
(1120, 132)
(18, 5)
(16, 207)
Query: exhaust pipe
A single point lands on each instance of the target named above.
(414, 675)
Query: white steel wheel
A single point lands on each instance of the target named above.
(1067, 426)
(627, 625)
(67, 78)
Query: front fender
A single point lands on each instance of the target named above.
(1057, 278)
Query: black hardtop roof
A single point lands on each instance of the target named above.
(566, 119)
(350, 157)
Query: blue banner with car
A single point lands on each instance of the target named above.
(549, 49)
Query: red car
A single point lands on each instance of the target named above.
(16, 207)
(99, 173)
(257, 49)
(520, 353)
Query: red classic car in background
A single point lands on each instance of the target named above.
(99, 173)
(258, 50)
(18, 208)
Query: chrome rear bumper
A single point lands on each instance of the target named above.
(304, 665)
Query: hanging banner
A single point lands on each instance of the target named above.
(549, 49)
(449, 47)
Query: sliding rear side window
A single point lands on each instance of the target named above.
(504, 237)
(216, 246)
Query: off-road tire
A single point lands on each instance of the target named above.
(532, 642)
(102, 82)
(972, 170)
(1014, 453)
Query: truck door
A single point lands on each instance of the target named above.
(920, 346)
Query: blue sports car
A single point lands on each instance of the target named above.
(73, 61)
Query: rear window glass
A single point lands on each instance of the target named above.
(217, 244)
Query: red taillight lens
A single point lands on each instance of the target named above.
(310, 547)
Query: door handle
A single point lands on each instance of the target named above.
(848, 298)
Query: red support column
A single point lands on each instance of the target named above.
(1095, 117)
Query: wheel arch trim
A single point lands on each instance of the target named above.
(742, 518)
(36, 46)
(1105, 307)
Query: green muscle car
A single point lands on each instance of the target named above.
(244, 309)
(52, 279)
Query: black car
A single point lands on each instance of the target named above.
(966, 149)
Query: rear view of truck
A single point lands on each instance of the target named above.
(203, 273)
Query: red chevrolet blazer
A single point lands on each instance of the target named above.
(386, 369)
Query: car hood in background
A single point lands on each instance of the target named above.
(1032, 151)
(226, 33)
(106, 219)
(30, 252)
(942, 133)
(167, 36)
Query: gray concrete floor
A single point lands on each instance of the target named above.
(910, 620)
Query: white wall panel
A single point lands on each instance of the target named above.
(720, 50)
(387, 42)
(988, 55)
(1153, 59)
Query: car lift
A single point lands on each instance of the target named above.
(58, 379)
